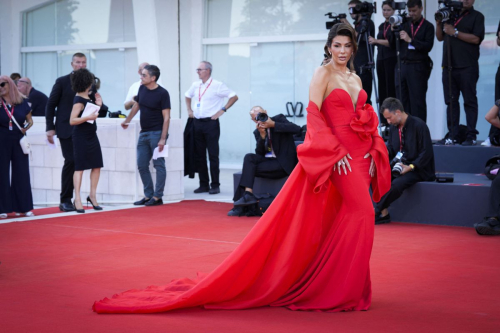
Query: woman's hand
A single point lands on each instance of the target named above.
(98, 99)
(92, 116)
(372, 40)
(373, 167)
(344, 161)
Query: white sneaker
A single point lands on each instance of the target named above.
(3, 216)
(486, 143)
(449, 142)
(29, 214)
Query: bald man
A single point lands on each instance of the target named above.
(37, 99)
(134, 89)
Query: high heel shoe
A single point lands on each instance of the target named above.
(95, 207)
(78, 210)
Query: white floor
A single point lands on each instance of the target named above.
(226, 195)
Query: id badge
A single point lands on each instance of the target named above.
(399, 155)
(10, 126)
(198, 106)
(411, 47)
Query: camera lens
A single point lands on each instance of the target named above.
(262, 117)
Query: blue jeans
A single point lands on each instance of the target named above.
(148, 141)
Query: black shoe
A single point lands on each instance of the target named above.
(236, 211)
(214, 190)
(469, 142)
(154, 202)
(141, 202)
(382, 219)
(66, 207)
(201, 190)
(78, 210)
(246, 200)
(95, 207)
(446, 142)
(489, 226)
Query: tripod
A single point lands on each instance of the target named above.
(451, 134)
(396, 31)
(370, 65)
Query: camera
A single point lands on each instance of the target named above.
(400, 18)
(397, 164)
(364, 8)
(262, 117)
(336, 19)
(448, 10)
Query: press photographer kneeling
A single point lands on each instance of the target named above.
(275, 155)
(410, 151)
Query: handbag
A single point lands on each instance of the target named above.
(25, 144)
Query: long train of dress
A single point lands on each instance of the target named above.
(311, 249)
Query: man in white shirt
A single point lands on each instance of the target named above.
(134, 89)
(208, 106)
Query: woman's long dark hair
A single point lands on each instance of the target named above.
(342, 29)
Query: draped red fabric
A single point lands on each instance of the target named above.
(311, 249)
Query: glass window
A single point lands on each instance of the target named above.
(269, 18)
(42, 77)
(80, 22)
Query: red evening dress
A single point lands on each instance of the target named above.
(311, 249)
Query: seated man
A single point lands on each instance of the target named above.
(491, 224)
(411, 153)
(275, 155)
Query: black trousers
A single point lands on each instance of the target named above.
(15, 188)
(206, 138)
(258, 166)
(398, 185)
(463, 80)
(386, 84)
(68, 170)
(493, 130)
(414, 78)
(366, 76)
(494, 209)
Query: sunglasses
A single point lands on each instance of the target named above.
(3, 84)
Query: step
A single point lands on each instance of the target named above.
(457, 158)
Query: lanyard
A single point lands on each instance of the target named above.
(411, 25)
(460, 19)
(385, 30)
(400, 140)
(9, 114)
(204, 91)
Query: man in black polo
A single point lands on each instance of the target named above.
(361, 59)
(275, 156)
(416, 40)
(464, 35)
(61, 98)
(410, 141)
(37, 99)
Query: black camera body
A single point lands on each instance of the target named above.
(364, 8)
(336, 19)
(262, 117)
(448, 10)
(398, 5)
(397, 165)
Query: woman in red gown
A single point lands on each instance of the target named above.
(311, 249)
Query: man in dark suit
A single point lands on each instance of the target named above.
(61, 97)
(275, 155)
(37, 99)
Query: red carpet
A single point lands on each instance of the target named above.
(425, 278)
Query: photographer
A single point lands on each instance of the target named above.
(411, 153)
(362, 22)
(386, 56)
(275, 155)
(416, 39)
(464, 33)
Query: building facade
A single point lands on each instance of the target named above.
(266, 51)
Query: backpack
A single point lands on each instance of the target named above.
(265, 200)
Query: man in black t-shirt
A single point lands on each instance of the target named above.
(154, 103)
(494, 135)
(416, 40)
(464, 36)
(361, 59)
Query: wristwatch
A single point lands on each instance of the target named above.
(224, 109)
(412, 167)
(456, 33)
